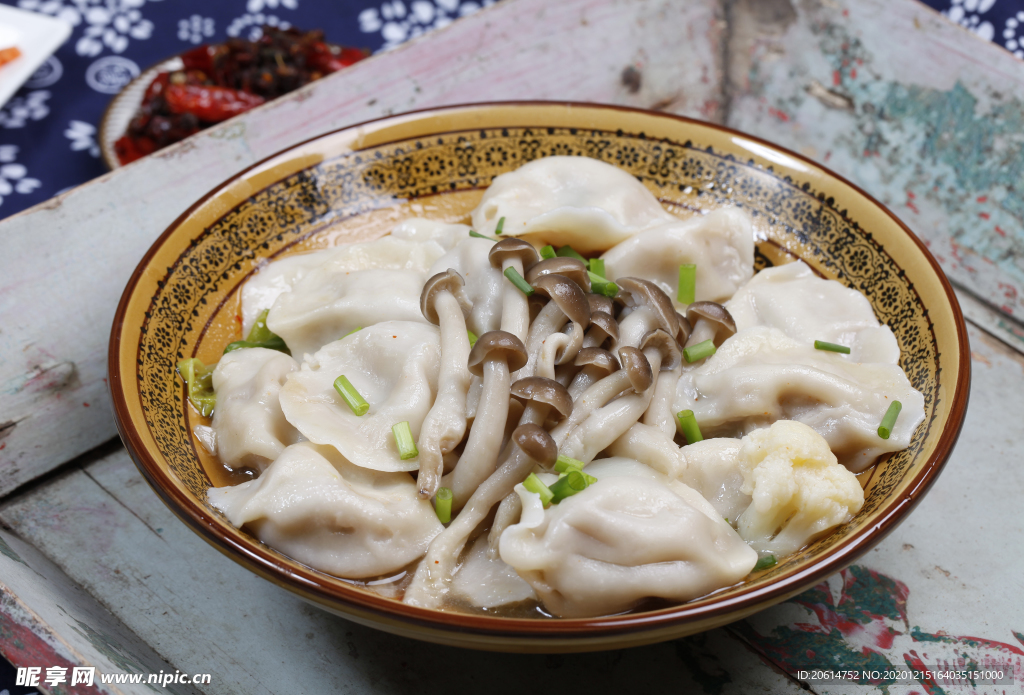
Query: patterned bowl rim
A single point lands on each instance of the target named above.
(376, 610)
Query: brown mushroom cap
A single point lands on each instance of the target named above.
(635, 363)
(712, 311)
(639, 292)
(497, 344)
(603, 360)
(536, 302)
(567, 295)
(598, 302)
(572, 268)
(513, 247)
(538, 389)
(685, 329)
(671, 355)
(537, 444)
(606, 322)
(447, 281)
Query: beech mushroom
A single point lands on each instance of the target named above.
(495, 355)
(572, 268)
(599, 302)
(602, 327)
(650, 308)
(444, 304)
(712, 324)
(596, 364)
(516, 254)
(532, 446)
(568, 303)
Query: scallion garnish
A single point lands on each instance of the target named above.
(699, 351)
(478, 235)
(547, 252)
(199, 383)
(597, 267)
(354, 330)
(831, 347)
(687, 284)
(569, 252)
(564, 464)
(472, 337)
(536, 485)
(403, 438)
(501, 225)
(260, 336)
(765, 562)
(688, 424)
(443, 505)
(889, 421)
(513, 275)
(568, 485)
(599, 285)
(349, 394)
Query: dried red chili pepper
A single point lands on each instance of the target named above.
(211, 104)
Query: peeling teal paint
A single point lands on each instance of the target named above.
(7, 551)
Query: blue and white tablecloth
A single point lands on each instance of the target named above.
(48, 129)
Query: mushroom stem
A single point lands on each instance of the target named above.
(704, 330)
(584, 379)
(515, 308)
(550, 320)
(659, 413)
(445, 423)
(480, 455)
(641, 321)
(557, 350)
(509, 512)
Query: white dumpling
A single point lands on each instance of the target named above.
(393, 365)
(622, 539)
(421, 229)
(760, 375)
(483, 286)
(578, 201)
(326, 306)
(721, 244)
(807, 308)
(317, 508)
(249, 428)
(387, 253)
(487, 582)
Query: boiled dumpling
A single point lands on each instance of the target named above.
(420, 229)
(487, 582)
(575, 201)
(760, 375)
(622, 539)
(393, 365)
(250, 429)
(391, 253)
(319, 509)
(483, 286)
(721, 244)
(807, 308)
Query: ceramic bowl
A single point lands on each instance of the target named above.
(354, 184)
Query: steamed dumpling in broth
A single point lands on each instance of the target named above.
(574, 201)
(484, 283)
(394, 366)
(316, 507)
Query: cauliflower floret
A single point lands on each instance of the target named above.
(799, 489)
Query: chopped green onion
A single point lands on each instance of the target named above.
(885, 429)
(536, 485)
(354, 330)
(403, 438)
(472, 337)
(547, 252)
(687, 284)
(260, 336)
(349, 394)
(500, 227)
(564, 464)
(688, 424)
(765, 562)
(478, 235)
(443, 505)
(199, 382)
(597, 267)
(568, 252)
(699, 351)
(599, 285)
(831, 347)
(568, 485)
(513, 275)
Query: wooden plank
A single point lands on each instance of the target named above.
(926, 116)
(46, 620)
(110, 533)
(66, 261)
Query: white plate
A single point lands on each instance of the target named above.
(38, 37)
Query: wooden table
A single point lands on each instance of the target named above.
(95, 571)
